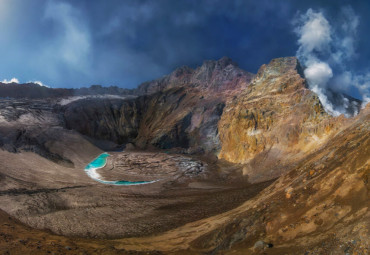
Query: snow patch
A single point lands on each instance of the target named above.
(69, 100)
(13, 80)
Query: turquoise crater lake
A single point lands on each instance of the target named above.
(100, 162)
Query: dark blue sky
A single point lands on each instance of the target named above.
(70, 43)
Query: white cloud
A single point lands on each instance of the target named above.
(13, 80)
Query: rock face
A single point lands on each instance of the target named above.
(274, 119)
(107, 119)
(180, 118)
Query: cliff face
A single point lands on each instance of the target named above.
(181, 118)
(274, 119)
(113, 120)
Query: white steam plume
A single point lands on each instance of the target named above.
(324, 51)
(314, 32)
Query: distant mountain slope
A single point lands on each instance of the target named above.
(36, 91)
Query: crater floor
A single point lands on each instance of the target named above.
(188, 189)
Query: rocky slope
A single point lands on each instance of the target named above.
(274, 121)
(319, 207)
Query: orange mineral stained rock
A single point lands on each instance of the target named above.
(275, 120)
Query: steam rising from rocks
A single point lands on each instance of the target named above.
(325, 52)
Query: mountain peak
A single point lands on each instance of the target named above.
(212, 76)
(218, 64)
(221, 75)
(280, 66)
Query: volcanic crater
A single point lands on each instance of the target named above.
(242, 163)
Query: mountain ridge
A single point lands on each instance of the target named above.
(221, 76)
